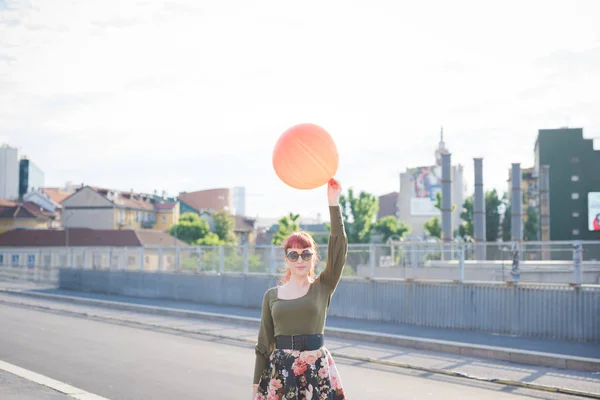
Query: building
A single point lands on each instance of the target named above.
(209, 200)
(30, 177)
(24, 215)
(529, 187)
(91, 248)
(574, 183)
(388, 205)
(9, 173)
(418, 190)
(239, 201)
(100, 208)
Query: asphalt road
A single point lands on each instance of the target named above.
(122, 362)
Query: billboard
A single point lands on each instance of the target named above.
(426, 182)
(594, 211)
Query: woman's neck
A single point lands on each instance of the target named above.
(299, 281)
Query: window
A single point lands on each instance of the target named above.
(15, 259)
(575, 214)
(30, 259)
(164, 219)
(1, 259)
(575, 232)
(574, 196)
(575, 178)
(131, 260)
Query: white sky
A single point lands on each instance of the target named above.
(187, 95)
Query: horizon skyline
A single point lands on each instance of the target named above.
(313, 217)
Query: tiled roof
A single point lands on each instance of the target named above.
(86, 238)
(210, 199)
(164, 206)
(57, 195)
(26, 210)
(7, 203)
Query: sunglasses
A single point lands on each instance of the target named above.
(293, 255)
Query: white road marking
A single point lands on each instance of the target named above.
(49, 382)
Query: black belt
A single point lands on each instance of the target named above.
(299, 342)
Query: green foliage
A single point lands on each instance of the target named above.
(225, 227)
(438, 202)
(530, 229)
(434, 227)
(389, 226)
(465, 230)
(190, 228)
(286, 226)
(210, 239)
(359, 215)
(492, 215)
(507, 225)
(233, 261)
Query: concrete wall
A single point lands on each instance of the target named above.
(547, 311)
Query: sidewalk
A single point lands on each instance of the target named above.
(186, 318)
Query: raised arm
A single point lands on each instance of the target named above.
(337, 248)
(266, 340)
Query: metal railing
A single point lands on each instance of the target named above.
(549, 262)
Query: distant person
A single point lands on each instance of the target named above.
(597, 222)
(292, 362)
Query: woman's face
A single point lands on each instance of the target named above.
(300, 261)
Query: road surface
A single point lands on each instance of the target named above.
(123, 362)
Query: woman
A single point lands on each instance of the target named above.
(291, 360)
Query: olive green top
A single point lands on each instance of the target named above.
(306, 314)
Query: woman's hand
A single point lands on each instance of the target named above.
(334, 190)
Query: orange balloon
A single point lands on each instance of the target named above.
(305, 157)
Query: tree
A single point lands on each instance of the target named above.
(210, 239)
(492, 215)
(286, 226)
(190, 228)
(465, 230)
(389, 226)
(224, 226)
(530, 231)
(507, 225)
(434, 227)
(359, 215)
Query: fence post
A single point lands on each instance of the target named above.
(142, 258)
(273, 261)
(577, 258)
(515, 270)
(461, 262)
(221, 259)
(160, 259)
(372, 257)
(199, 259)
(177, 259)
(245, 258)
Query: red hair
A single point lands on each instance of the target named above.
(299, 240)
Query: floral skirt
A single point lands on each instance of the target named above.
(300, 375)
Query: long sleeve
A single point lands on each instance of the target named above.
(266, 339)
(337, 250)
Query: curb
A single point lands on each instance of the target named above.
(517, 356)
